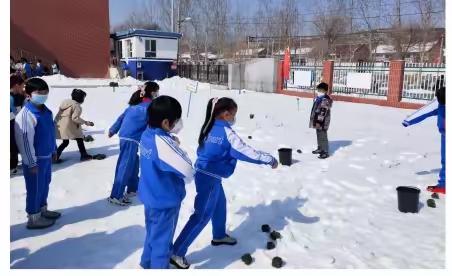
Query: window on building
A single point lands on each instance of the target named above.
(129, 48)
(119, 47)
(150, 48)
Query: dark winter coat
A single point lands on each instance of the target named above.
(321, 113)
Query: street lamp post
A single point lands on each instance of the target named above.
(179, 24)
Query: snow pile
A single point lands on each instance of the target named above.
(335, 213)
(63, 81)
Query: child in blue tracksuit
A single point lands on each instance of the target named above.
(130, 125)
(437, 108)
(27, 68)
(219, 149)
(165, 169)
(35, 138)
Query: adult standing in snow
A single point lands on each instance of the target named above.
(320, 119)
(130, 125)
(436, 108)
(16, 101)
(219, 149)
(69, 123)
(35, 137)
(165, 169)
(125, 68)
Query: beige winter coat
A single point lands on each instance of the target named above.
(68, 123)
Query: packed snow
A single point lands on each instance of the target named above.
(335, 213)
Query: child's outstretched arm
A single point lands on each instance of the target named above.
(117, 125)
(25, 135)
(173, 159)
(244, 152)
(421, 114)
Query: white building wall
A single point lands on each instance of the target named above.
(166, 48)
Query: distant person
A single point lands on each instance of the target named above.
(130, 124)
(26, 68)
(55, 68)
(436, 108)
(320, 119)
(39, 70)
(35, 137)
(68, 122)
(125, 68)
(16, 101)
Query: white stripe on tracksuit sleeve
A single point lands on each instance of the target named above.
(25, 132)
(244, 152)
(173, 158)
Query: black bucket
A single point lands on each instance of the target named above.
(408, 199)
(251, 116)
(285, 156)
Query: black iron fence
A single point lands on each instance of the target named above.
(217, 74)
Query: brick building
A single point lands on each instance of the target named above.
(76, 33)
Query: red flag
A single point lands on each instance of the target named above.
(286, 64)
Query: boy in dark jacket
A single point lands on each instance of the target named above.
(320, 119)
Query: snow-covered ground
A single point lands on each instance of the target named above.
(335, 213)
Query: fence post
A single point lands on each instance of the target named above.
(279, 77)
(328, 69)
(395, 83)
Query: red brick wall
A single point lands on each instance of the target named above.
(74, 32)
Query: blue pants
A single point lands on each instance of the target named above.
(210, 204)
(37, 185)
(158, 245)
(127, 169)
(442, 172)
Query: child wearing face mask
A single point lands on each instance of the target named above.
(320, 119)
(219, 149)
(165, 169)
(130, 125)
(35, 138)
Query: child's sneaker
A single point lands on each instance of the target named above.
(324, 155)
(13, 172)
(437, 189)
(49, 214)
(121, 202)
(86, 157)
(224, 241)
(131, 194)
(317, 151)
(179, 262)
(36, 221)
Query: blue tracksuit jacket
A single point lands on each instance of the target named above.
(222, 148)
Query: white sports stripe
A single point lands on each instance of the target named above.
(240, 146)
(171, 157)
(24, 134)
(423, 110)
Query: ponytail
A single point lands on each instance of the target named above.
(215, 107)
(145, 91)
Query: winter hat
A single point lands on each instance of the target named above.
(78, 95)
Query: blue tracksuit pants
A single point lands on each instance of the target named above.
(442, 172)
(158, 245)
(37, 185)
(127, 168)
(210, 204)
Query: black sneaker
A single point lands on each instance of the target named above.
(86, 157)
(324, 155)
(317, 151)
(121, 202)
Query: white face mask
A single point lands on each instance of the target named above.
(178, 127)
(155, 95)
(320, 93)
(231, 123)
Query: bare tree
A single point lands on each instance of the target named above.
(146, 18)
(425, 9)
(330, 26)
(366, 11)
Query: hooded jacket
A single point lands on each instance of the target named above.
(68, 122)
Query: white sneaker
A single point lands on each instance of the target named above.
(224, 241)
(179, 262)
